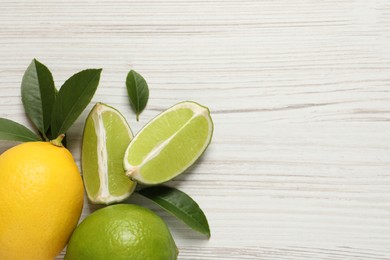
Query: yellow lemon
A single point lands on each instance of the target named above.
(41, 199)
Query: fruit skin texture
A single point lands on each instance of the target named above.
(41, 199)
(119, 232)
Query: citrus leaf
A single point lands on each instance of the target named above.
(138, 92)
(12, 131)
(38, 95)
(180, 205)
(72, 98)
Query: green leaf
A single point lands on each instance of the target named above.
(72, 98)
(38, 95)
(180, 205)
(138, 92)
(12, 131)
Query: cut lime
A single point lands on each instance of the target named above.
(105, 139)
(169, 144)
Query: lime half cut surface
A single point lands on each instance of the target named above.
(169, 144)
(105, 139)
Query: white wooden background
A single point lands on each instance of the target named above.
(299, 166)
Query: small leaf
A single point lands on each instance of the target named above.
(12, 131)
(72, 98)
(180, 205)
(38, 95)
(138, 92)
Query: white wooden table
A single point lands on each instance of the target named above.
(299, 166)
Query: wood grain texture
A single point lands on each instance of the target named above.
(299, 166)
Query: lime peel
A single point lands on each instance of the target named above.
(122, 231)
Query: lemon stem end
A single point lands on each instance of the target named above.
(58, 140)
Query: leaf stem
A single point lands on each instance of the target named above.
(45, 137)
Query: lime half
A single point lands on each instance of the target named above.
(169, 144)
(105, 139)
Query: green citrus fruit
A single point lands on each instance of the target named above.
(169, 144)
(122, 232)
(105, 139)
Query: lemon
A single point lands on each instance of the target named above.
(41, 198)
(105, 139)
(169, 144)
(122, 232)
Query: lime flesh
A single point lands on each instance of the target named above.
(169, 144)
(105, 139)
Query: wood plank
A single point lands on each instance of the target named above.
(299, 93)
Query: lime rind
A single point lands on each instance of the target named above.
(122, 231)
(135, 170)
(106, 136)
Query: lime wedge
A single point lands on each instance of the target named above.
(169, 144)
(105, 139)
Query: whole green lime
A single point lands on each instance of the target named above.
(122, 231)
